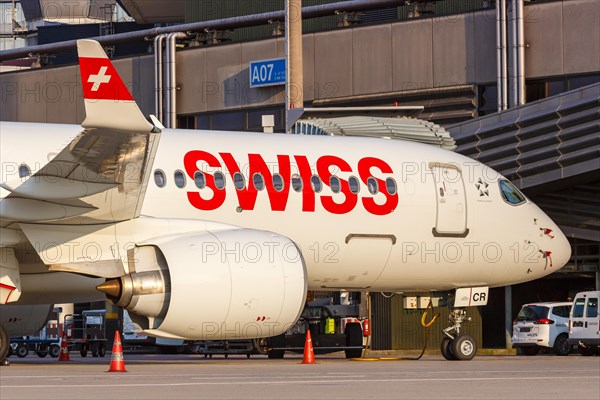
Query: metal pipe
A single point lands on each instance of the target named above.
(220, 24)
(521, 52)
(508, 316)
(500, 89)
(171, 77)
(158, 77)
(514, 62)
(504, 54)
(294, 44)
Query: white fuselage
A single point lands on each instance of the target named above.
(446, 226)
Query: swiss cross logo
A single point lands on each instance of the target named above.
(99, 78)
(101, 81)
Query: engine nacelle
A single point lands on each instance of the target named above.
(230, 284)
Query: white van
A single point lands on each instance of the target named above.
(584, 323)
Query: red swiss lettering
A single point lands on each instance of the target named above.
(364, 170)
(247, 195)
(308, 194)
(190, 161)
(323, 164)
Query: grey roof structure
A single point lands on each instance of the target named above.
(404, 128)
(551, 149)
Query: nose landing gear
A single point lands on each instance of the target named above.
(455, 346)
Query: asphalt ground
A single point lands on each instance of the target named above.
(196, 377)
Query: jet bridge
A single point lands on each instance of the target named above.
(398, 128)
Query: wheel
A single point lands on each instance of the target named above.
(41, 353)
(276, 341)
(84, 350)
(5, 348)
(463, 347)
(586, 351)
(530, 350)
(354, 337)
(561, 345)
(101, 350)
(445, 349)
(94, 350)
(54, 351)
(22, 351)
(260, 345)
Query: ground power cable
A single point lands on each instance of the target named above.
(425, 324)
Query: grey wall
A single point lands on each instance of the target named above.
(562, 38)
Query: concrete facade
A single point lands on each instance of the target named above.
(562, 38)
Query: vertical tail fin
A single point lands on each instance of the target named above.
(108, 102)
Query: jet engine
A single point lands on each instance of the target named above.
(229, 284)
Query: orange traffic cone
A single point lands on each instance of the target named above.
(64, 349)
(117, 363)
(309, 353)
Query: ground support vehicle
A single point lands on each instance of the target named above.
(333, 327)
(86, 332)
(584, 323)
(542, 326)
(46, 342)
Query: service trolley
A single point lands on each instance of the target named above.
(86, 332)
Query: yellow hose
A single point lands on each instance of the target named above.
(426, 325)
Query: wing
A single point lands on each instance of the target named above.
(102, 175)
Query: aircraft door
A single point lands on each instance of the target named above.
(451, 201)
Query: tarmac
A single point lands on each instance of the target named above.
(333, 377)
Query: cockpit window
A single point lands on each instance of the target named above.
(510, 193)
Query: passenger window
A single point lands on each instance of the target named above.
(297, 182)
(316, 184)
(238, 181)
(390, 185)
(258, 181)
(372, 184)
(278, 182)
(578, 308)
(353, 183)
(179, 179)
(159, 178)
(561, 311)
(24, 171)
(510, 193)
(219, 180)
(200, 179)
(334, 183)
(592, 308)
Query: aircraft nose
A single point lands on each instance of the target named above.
(560, 249)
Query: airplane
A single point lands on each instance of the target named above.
(219, 235)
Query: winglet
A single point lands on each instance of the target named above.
(108, 102)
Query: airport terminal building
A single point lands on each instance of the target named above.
(520, 94)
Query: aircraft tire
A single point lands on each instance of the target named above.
(463, 347)
(4, 344)
(445, 349)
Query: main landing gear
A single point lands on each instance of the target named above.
(455, 346)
